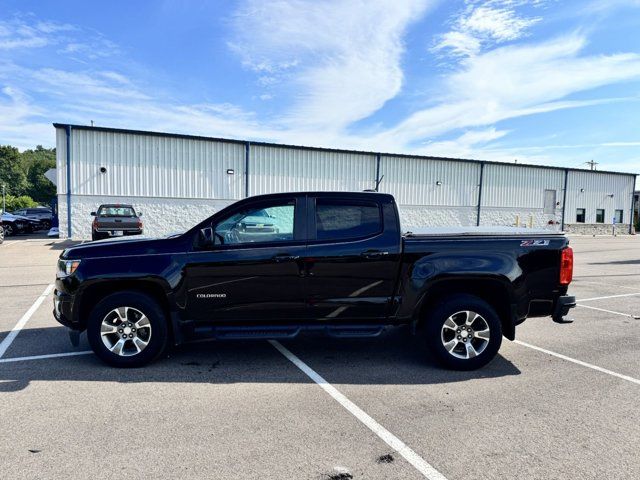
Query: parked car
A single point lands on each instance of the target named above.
(14, 224)
(1, 231)
(43, 215)
(115, 220)
(337, 262)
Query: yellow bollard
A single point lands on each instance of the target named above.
(517, 220)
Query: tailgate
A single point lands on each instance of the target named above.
(118, 223)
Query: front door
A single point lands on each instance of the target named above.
(352, 259)
(254, 272)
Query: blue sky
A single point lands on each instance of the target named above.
(541, 81)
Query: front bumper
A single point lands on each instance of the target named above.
(563, 305)
(63, 308)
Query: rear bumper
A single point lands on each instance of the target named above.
(125, 230)
(563, 305)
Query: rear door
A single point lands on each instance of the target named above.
(352, 257)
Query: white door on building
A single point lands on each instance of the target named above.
(549, 202)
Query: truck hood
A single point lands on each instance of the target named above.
(127, 246)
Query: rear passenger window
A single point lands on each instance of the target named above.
(343, 219)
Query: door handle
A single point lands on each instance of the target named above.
(285, 257)
(373, 254)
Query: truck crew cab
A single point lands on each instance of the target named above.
(272, 265)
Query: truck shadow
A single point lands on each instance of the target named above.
(393, 358)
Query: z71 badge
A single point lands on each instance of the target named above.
(534, 243)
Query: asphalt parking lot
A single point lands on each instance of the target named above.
(561, 402)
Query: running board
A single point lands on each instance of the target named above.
(243, 333)
(355, 331)
(286, 331)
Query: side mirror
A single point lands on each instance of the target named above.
(139, 214)
(93, 214)
(206, 237)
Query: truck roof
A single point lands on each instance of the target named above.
(359, 195)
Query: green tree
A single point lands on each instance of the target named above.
(34, 164)
(15, 203)
(11, 172)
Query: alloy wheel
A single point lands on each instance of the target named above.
(465, 334)
(125, 331)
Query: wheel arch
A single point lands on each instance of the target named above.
(496, 292)
(95, 292)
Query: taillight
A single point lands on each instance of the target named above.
(95, 223)
(139, 224)
(566, 266)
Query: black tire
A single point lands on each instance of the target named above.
(8, 230)
(436, 334)
(1, 234)
(157, 339)
(96, 236)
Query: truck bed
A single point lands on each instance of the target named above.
(477, 231)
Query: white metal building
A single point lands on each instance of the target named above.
(178, 180)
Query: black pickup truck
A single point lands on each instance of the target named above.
(273, 265)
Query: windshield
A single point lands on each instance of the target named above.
(116, 212)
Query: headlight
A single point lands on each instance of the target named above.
(67, 267)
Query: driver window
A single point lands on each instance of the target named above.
(268, 223)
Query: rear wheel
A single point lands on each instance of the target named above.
(127, 329)
(463, 332)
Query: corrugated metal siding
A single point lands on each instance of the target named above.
(413, 181)
(153, 166)
(274, 170)
(61, 160)
(598, 188)
(514, 186)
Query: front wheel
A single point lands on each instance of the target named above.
(127, 329)
(463, 332)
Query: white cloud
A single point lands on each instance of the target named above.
(459, 43)
(501, 24)
(341, 57)
(466, 145)
(512, 81)
(488, 23)
(17, 33)
(23, 32)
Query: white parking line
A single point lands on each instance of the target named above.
(608, 311)
(6, 244)
(580, 362)
(6, 343)
(41, 357)
(389, 438)
(609, 296)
